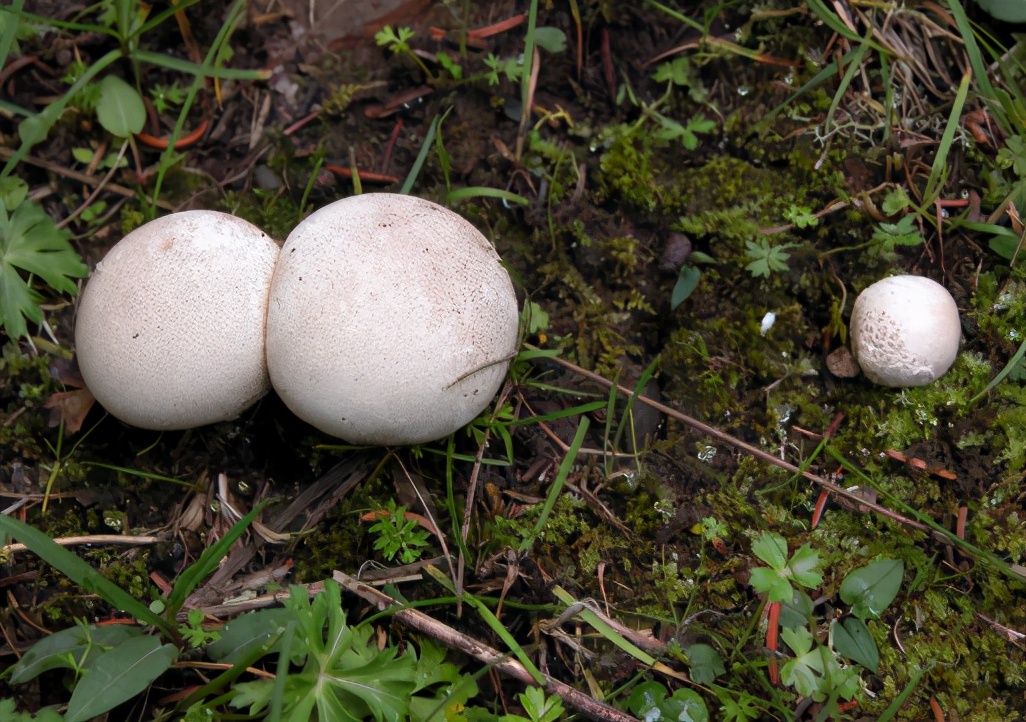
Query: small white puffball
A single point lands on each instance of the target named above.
(391, 320)
(905, 331)
(170, 328)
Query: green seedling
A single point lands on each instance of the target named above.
(777, 580)
(538, 707)
(767, 259)
(398, 535)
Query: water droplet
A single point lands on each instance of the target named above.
(743, 90)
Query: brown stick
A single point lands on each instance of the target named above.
(468, 645)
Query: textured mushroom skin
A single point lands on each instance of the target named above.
(390, 321)
(905, 331)
(170, 328)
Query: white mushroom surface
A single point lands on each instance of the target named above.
(391, 320)
(170, 329)
(905, 331)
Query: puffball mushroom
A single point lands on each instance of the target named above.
(391, 320)
(905, 331)
(170, 329)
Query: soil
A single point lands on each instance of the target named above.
(625, 196)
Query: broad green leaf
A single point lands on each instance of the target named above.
(344, 675)
(247, 632)
(853, 640)
(803, 567)
(705, 663)
(550, 39)
(646, 697)
(67, 647)
(120, 110)
(771, 548)
(9, 713)
(768, 581)
(686, 705)
(870, 589)
(797, 611)
(119, 675)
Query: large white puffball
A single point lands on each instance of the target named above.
(905, 331)
(391, 320)
(170, 328)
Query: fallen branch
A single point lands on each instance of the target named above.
(468, 645)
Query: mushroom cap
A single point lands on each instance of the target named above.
(905, 331)
(170, 329)
(391, 320)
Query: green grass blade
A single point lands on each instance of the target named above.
(187, 67)
(1012, 363)
(497, 627)
(209, 560)
(557, 485)
(600, 626)
(82, 573)
(461, 194)
(853, 67)
(425, 148)
(939, 169)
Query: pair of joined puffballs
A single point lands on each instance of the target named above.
(384, 319)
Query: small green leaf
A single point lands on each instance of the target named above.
(120, 110)
(768, 581)
(550, 39)
(771, 548)
(646, 697)
(853, 640)
(870, 589)
(687, 282)
(119, 675)
(705, 663)
(13, 191)
(82, 155)
(797, 611)
(895, 202)
(686, 705)
(803, 566)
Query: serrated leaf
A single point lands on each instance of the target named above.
(118, 676)
(895, 202)
(120, 109)
(32, 242)
(870, 589)
(803, 566)
(770, 582)
(853, 640)
(771, 548)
